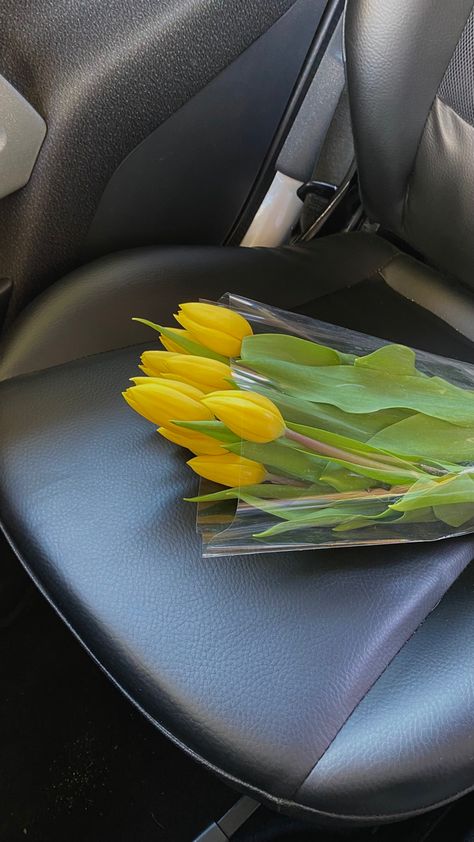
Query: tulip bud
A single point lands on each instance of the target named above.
(201, 372)
(249, 415)
(218, 328)
(162, 404)
(177, 385)
(228, 469)
(173, 346)
(198, 443)
(154, 363)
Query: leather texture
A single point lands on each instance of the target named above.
(103, 76)
(439, 212)
(448, 301)
(414, 154)
(456, 87)
(436, 664)
(264, 667)
(337, 685)
(75, 318)
(169, 188)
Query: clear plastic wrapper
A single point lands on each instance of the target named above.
(375, 446)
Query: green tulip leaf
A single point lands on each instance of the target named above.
(280, 346)
(360, 389)
(292, 511)
(360, 426)
(420, 516)
(344, 480)
(331, 516)
(384, 476)
(393, 359)
(353, 446)
(455, 515)
(449, 491)
(189, 345)
(281, 458)
(215, 429)
(265, 490)
(429, 438)
(360, 458)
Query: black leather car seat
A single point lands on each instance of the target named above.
(338, 685)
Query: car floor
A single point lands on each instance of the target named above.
(78, 763)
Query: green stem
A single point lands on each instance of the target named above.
(323, 449)
(284, 481)
(373, 495)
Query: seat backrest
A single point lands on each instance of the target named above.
(410, 66)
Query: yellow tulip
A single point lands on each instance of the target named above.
(173, 346)
(249, 415)
(202, 372)
(229, 469)
(178, 385)
(218, 328)
(139, 381)
(162, 404)
(198, 443)
(154, 363)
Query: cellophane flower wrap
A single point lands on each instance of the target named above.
(318, 436)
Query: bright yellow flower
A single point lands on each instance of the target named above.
(249, 415)
(198, 443)
(218, 328)
(229, 469)
(178, 385)
(173, 346)
(154, 363)
(162, 404)
(206, 374)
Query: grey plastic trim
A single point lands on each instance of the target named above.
(225, 828)
(212, 834)
(22, 132)
(238, 815)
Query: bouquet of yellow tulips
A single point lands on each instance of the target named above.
(315, 435)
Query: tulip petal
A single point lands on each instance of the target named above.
(249, 415)
(228, 469)
(208, 374)
(178, 385)
(162, 404)
(197, 443)
(182, 338)
(218, 341)
(215, 316)
(171, 346)
(156, 361)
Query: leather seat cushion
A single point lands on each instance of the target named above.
(353, 276)
(308, 679)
